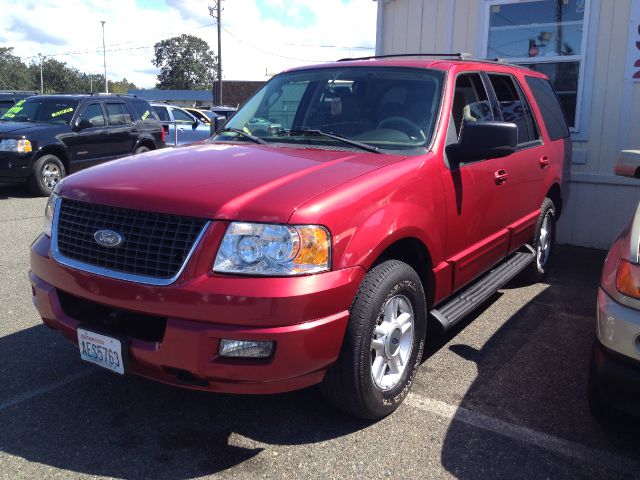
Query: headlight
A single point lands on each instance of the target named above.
(262, 249)
(48, 213)
(14, 145)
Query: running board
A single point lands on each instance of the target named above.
(455, 309)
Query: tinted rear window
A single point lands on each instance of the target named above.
(550, 108)
(162, 112)
(5, 105)
(143, 109)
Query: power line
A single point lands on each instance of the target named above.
(271, 53)
(328, 46)
(98, 49)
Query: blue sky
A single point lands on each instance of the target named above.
(260, 37)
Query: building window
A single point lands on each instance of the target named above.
(548, 36)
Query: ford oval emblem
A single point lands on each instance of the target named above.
(108, 238)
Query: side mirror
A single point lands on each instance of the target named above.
(628, 163)
(84, 123)
(484, 140)
(217, 123)
(195, 124)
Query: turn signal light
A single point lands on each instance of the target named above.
(628, 279)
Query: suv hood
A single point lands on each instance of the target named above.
(263, 183)
(24, 128)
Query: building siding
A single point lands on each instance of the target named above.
(598, 204)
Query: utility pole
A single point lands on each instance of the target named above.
(215, 12)
(104, 59)
(42, 57)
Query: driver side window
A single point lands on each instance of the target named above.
(93, 113)
(180, 116)
(470, 101)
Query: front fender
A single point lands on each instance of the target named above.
(371, 212)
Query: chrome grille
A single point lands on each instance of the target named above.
(155, 244)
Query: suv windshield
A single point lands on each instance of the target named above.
(49, 110)
(391, 108)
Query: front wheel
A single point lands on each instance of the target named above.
(383, 344)
(47, 171)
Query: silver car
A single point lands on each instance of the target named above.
(182, 128)
(614, 379)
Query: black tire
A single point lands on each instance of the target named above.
(349, 384)
(46, 172)
(536, 271)
(141, 149)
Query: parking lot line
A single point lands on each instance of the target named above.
(42, 390)
(557, 445)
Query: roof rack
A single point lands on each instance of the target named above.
(113, 94)
(459, 56)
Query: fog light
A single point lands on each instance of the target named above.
(245, 348)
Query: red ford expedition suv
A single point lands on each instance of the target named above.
(313, 237)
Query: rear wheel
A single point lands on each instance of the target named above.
(383, 343)
(47, 171)
(140, 150)
(543, 241)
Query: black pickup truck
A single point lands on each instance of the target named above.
(46, 137)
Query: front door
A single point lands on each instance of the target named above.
(475, 195)
(185, 125)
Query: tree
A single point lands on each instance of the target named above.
(122, 86)
(185, 63)
(58, 76)
(14, 75)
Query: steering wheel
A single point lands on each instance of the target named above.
(405, 125)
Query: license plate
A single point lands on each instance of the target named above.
(101, 350)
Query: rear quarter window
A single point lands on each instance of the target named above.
(143, 110)
(549, 106)
(162, 112)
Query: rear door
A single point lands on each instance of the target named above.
(122, 134)
(476, 216)
(525, 169)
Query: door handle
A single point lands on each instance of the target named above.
(501, 176)
(544, 162)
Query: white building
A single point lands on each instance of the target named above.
(590, 49)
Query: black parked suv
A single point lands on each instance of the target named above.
(43, 138)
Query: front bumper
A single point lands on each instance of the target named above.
(14, 167)
(617, 379)
(305, 316)
(616, 360)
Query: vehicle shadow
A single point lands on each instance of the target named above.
(533, 373)
(102, 424)
(9, 190)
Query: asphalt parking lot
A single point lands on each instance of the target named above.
(503, 396)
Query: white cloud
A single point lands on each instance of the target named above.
(252, 45)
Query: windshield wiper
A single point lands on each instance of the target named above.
(340, 138)
(242, 133)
